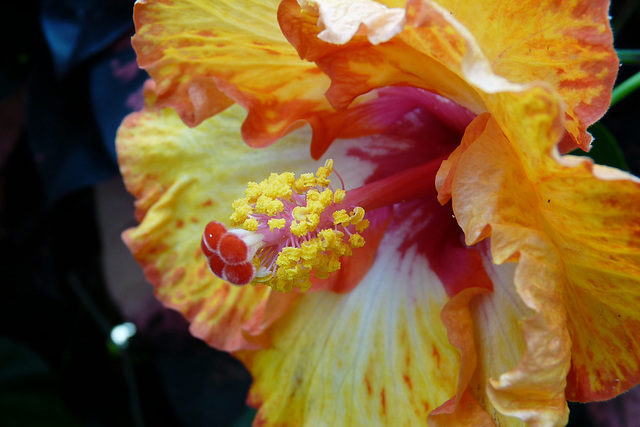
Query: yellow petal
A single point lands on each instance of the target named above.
(471, 52)
(378, 355)
(204, 55)
(184, 177)
(573, 228)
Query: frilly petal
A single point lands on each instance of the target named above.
(487, 329)
(462, 409)
(578, 273)
(451, 49)
(340, 21)
(500, 205)
(568, 45)
(205, 55)
(184, 177)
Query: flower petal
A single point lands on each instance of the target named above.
(378, 355)
(566, 44)
(578, 273)
(452, 51)
(358, 66)
(463, 409)
(204, 55)
(184, 177)
(498, 333)
(487, 328)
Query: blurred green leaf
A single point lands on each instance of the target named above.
(605, 149)
(625, 88)
(629, 56)
(246, 418)
(28, 395)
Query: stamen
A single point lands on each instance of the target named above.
(286, 229)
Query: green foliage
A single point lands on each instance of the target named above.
(28, 395)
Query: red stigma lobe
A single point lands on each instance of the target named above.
(227, 255)
(232, 249)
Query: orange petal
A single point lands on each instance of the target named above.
(462, 409)
(378, 355)
(487, 328)
(358, 66)
(444, 177)
(455, 52)
(203, 56)
(573, 228)
(184, 177)
(568, 45)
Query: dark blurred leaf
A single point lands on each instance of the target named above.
(63, 134)
(629, 56)
(205, 387)
(246, 419)
(27, 390)
(78, 29)
(605, 149)
(116, 90)
(20, 32)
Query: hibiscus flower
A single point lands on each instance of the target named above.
(498, 278)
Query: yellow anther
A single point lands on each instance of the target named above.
(340, 217)
(298, 228)
(309, 250)
(268, 205)
(278, 185)
(356, 241)
(326, 198)
(339, 195)
(250, 224)
(362, 225)
(253, 191)
(326, 170)
(276, 223)
(242, 210)
(357, 215)
(305, 182)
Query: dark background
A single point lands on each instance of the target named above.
(64, 88)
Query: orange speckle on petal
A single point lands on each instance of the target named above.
(271, 52)
(368, 384)
(177, 275)
(407, 380)
(436, 355)
(207, 33)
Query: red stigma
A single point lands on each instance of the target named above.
(227, 255)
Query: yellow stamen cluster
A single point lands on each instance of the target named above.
(298, 237)
(320, 254)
